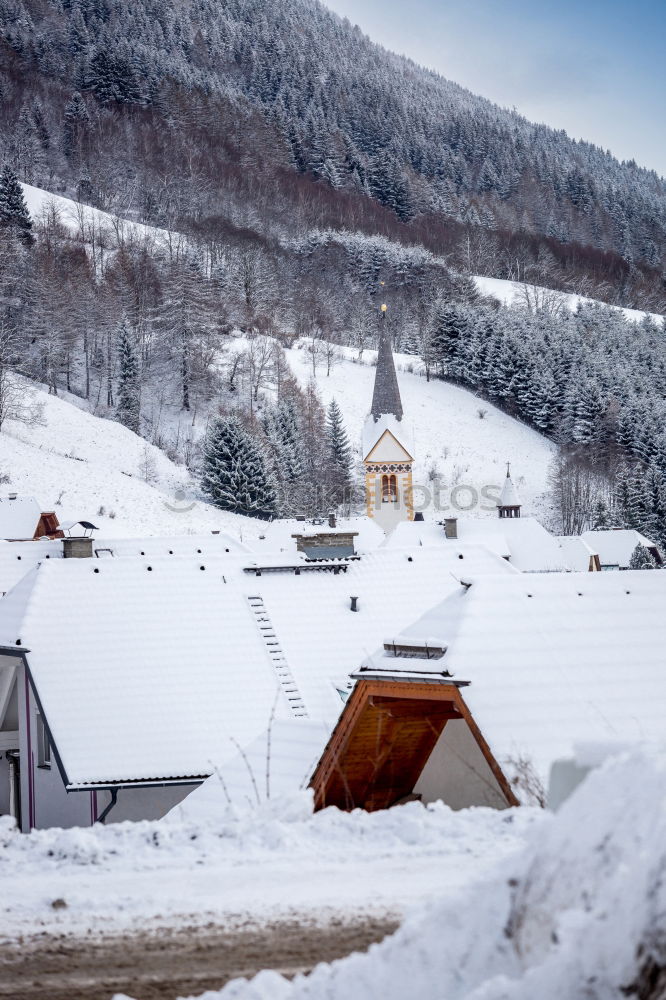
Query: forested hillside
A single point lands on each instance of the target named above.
(240, 120)
(295, 172)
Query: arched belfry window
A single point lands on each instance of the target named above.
(389, 489)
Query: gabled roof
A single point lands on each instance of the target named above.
(387, 448)
(576, 551)
(386, 394)
(145, 670)
(18, 558)
(522, 540)
(149, 673)
(374, 430)
(616, 545)
(19, 517)
(553, 659)
(383, 741)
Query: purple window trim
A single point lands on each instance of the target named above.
(31, 762)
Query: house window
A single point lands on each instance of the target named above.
(389, 489)
(43, 744)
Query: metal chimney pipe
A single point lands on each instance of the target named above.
(353, 603)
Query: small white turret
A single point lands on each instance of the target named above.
(509, 503)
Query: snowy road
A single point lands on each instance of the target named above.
(252, 867)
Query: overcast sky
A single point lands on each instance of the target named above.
(596, 68)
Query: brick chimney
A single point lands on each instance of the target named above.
(451, 527)
(77, 548)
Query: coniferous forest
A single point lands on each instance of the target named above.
(293, 166)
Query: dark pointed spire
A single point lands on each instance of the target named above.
(386, 395)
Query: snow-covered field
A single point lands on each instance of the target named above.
(81, 219)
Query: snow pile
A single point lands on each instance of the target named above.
(256, 864)
(584, 918)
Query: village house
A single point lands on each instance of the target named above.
(615, 547)
(22, 519)
(547, 662)
(125, 681)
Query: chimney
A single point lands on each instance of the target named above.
(12, 496)
(332, 522)
(353, 606)
(418, 516)
(77, 548)
(451, 527)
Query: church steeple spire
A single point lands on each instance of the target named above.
(386, 394)
(509, 503)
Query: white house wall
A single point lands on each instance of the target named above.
(458, 773)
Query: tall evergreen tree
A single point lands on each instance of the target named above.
(641, 558)
(14, 213)
(234, 475)
(339, 450)
(128, 409)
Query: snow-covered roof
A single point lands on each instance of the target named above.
(19, 517)
(522, 540)
(124, 656)
(576, 551)
(170, 545)
(278, 536)
(18, 558)
(616, 545)
(553, 659)
(145, 669)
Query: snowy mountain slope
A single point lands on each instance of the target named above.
(513, 293)
(79, 218)
(77, 464)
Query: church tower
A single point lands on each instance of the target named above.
(509, 503)
(387, 451)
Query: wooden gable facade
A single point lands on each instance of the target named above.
(388, 732)
(48, 526)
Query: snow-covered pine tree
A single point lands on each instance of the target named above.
(339, 451)
(284, 437)
(450, 332)
(641, 558)
(75, 125)
(600, 515)
(234, 475)
(128, 409)
(14, 213)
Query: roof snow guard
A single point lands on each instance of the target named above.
(386, 395)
